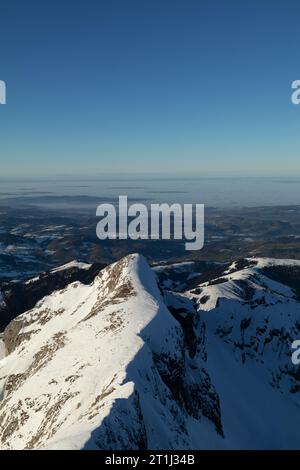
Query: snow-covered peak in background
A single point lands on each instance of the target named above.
(19, 296)
(251, 313)
(72, 264)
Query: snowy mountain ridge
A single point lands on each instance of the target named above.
(103, 366)
(251, 313)
(123, 363)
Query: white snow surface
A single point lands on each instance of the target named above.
(71, 264)
(84, 368)
(80, 372)
(251, 321)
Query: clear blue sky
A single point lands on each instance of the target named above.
(191, 86)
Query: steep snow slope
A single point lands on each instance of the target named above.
(251, 320)
(72, 264)
(106, 365)
(120, 364)
(18, 297)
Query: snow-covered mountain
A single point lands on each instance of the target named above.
(104, 365)
(17, 297)
(125, 362)
(251, 313)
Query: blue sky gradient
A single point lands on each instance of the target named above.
(119, 86)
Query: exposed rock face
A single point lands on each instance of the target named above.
(252, 315)
(120, 362)
(106, 366)
(253, 307)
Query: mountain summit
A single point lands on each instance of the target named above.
(119, 360)
(105, 366)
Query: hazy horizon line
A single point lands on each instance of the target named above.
(144, 175)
